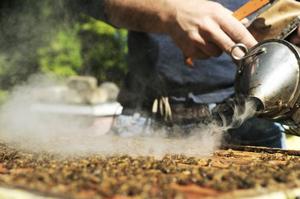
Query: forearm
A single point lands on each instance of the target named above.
(140, 15)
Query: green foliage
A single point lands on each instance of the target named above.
(105, 50)
(50, 37)
(3, 96)
(99, 27)
(91, 48)
(25, 27)
(62, 57)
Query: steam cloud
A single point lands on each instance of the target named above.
(66, 135)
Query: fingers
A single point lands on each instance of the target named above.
(213, 40)
(219, 37)
(245, 22)
(209, 32)
(206, 47)
(196, 53)
(236, 30)
(191, 50)
(199, 48)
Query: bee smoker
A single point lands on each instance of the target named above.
(269, 73)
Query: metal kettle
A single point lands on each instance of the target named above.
(269, 73)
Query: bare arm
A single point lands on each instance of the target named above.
(200, 28)
(140, 15)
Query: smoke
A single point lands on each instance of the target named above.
(28, 129)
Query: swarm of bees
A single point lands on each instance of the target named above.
(96, 176)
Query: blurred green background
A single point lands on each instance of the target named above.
(52, 37)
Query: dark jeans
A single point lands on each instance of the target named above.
(257, 132)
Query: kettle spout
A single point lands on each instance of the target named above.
(257, 103)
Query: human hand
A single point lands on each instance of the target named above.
(295, 39)
(202, 29)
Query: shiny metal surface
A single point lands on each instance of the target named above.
(272, 77)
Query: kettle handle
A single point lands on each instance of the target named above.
(245, 50)
(240, 46)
